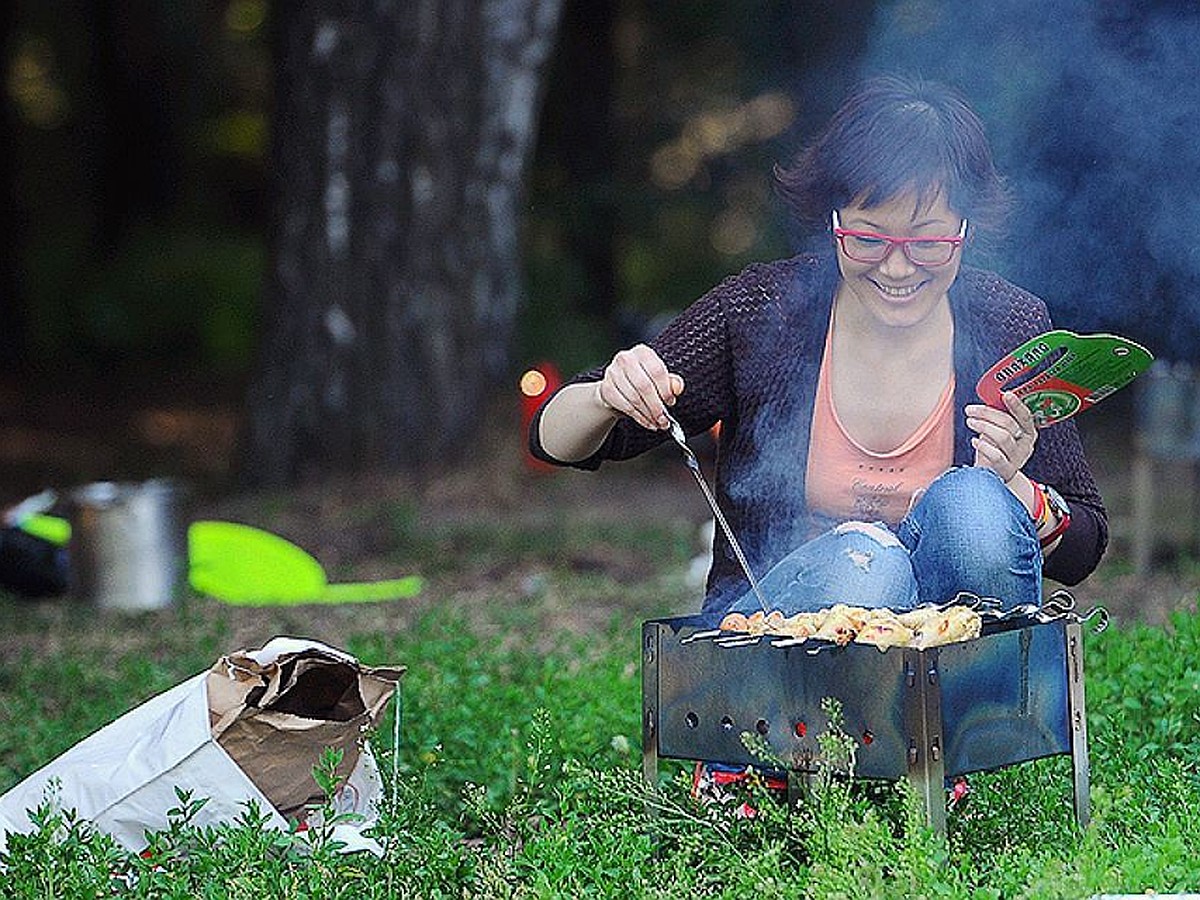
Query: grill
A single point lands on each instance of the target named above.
(1014, 694)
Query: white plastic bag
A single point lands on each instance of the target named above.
(123, 777)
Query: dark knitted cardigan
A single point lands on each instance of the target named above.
(749, 352)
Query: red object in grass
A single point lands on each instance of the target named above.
(959, 792)
(536, 385)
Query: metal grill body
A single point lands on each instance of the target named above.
(1012, 695)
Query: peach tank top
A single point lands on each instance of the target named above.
(847, 481)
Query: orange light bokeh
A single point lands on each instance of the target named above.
(533, 383)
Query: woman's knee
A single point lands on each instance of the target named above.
(856, 562)
(873, 563)
(969, 532)
(971, 505)
(967, 493)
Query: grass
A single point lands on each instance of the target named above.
(518, 769)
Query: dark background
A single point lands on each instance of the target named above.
(134, 189)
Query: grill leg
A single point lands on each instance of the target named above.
(928, 781)
(649, 751)
(923, 721)
(650, 705)
(1077, 708)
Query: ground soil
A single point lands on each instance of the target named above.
(63, 436)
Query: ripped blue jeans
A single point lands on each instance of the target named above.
(967, 532)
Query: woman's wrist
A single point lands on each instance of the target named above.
(1057, 518)
(1051, 514)
(1023, 489)
(1041, 510)
(575, 422)
(606, 408)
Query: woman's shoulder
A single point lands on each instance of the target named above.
(768, 282)
(985, 285)
(996, 305)
(801, 265)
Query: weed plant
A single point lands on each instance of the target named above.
(517, 774)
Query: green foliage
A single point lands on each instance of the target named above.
(61, 857)
(517, 775)
(186, 296)
(1147, 682)
(465, 725)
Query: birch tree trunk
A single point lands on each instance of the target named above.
(401, 136)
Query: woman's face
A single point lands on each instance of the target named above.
(896, 291)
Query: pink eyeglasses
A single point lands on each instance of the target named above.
(871, 247)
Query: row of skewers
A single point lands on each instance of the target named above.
(920, 628)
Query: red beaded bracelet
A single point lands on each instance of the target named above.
(1047, 502)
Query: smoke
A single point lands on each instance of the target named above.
(1094, 114)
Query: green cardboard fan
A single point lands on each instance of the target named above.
(1060, 373)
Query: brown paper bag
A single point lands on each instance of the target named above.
(275, 712)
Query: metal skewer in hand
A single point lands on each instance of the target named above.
(693, 463)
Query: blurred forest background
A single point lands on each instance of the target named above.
(141, 193)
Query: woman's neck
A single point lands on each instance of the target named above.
(855, 325)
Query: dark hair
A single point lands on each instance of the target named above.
(891, 136)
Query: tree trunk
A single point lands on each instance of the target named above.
(401, 136)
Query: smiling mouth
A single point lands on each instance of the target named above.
(897, 293)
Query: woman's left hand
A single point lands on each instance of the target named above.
(1004, 438)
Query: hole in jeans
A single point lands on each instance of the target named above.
(861, 559)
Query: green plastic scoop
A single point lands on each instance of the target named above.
(246, 566)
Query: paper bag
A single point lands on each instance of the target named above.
(275, 710)
(123, 777)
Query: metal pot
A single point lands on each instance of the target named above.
(128, 548)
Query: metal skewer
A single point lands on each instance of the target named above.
(694, 464)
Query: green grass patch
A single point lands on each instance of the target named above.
(517, 774)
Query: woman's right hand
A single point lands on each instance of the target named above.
(638, 384)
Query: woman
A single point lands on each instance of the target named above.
(856, 464)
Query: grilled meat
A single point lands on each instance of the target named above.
(921, 628)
